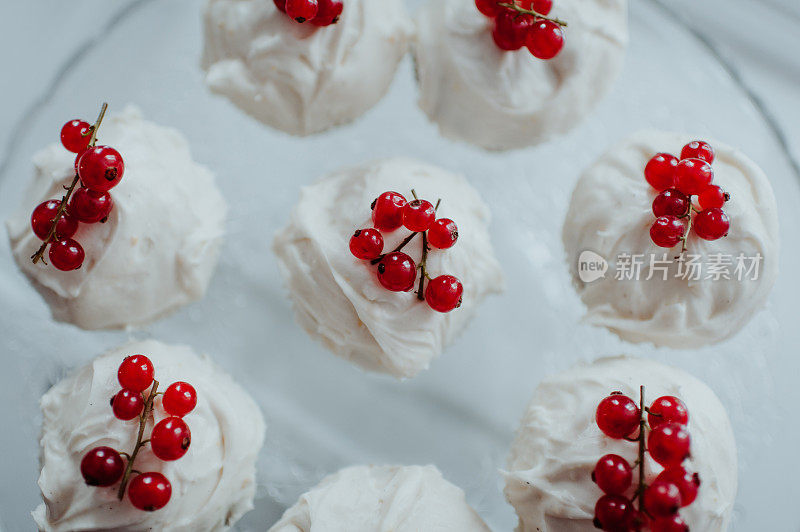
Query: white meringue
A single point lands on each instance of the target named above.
(499, 100)
(157, 250)
(213, 484)
(382, 499)
(558, 444)
(611, 213)
(300, 78)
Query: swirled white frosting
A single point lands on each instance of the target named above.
(297, 77)
(213, 484)
(499, 100)
(161, 242)
(611, 214)
(337, 297)
(558, 444)
(382, 499)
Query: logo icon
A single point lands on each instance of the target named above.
(591, 266)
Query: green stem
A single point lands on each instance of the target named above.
(523, 11)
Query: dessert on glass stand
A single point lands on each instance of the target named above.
(386, 262)
(688, 230)
(148, 436)
(131, 220)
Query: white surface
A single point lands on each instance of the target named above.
(460, 414)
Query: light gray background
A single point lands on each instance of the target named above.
(715, 68)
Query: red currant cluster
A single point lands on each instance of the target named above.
(98, 169)
(317, 12)
(169, 439)
(677, 182)
(396, 270)
(668, 441)
(519, 23)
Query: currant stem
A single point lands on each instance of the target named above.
(685, 236)
(143, 417)
(400, 246)
(522, 11)
(642, 427)
(423, 273)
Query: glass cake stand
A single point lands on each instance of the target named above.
(322, 413)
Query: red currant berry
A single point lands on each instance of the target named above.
(490, 8)
(170, 438)
(545, 39)
(102, 466)
(637, 522)
(328, 13)
(66, 255)
(149, 491)
(42, 221)
(444, 293)
(660, 171)
(671, 202)
(179, 399)
(612, 512)
(418, 215)
(366, 244)
(692, 176)
(101, 168)
(127, 404)
(667, 409)
(136, 373)
(712, 196)
(667, 231)
(662, 499)
(698, 149)
(711, 224)
(89, 206)
(672, 523)
(387, 211)
(617, 416)
(443, 233)
(397, 272)
(688, 483)
(669, 444)
(613, 474)
(302, 10)
(75, 135)
(510, 30)
(281, 5)
(542, 7)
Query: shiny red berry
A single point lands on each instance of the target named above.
(671, 202)
(302, 10)
(149, 491)
(170, 438)
(688, 483)
(42, 221)
(712, 196)
(101, 168)
(669, 444)
(443, 233)
(511, 29)
(711, 224)
(662, 499)
(179, 399)
(102, 466)
(66, 255)
(692, 176)
(490, 8)
(667, 409)
(328, 13)
(542, 7)
(90, 206)
(660, 171)
(418, 215)
(397, 272)
(366, 244)
(698, 149)
(444, 293)
(281, 5)
(75, 135)
(613, 474)
(545, 39)
(672, 523)
(127, 404)
(612, 512)
(136, 373)
(667, 231)
(617, 416)
(387, 211)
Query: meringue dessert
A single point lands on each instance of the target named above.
(338, 298)
(157, 250)
(382, 498)
(501, 100)
(213, 484)
(610, 215)
(549, 477)
(300, 78)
